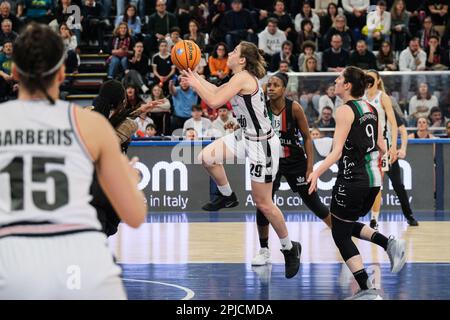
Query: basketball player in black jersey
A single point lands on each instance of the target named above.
(358, 182)
(296, 162)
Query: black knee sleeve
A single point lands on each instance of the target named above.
(357, 228)
(313, 202)
(261, 220)
(342, 236)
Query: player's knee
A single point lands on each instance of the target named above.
(205, 159)
(266, 207)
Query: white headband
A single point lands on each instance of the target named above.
(46, 73)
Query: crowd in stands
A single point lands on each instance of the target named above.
(295, 35)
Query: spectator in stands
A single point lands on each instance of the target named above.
(225, 122)
(356, 11)
(217, 63)
(437, 58)
(362, 57)
(329, 18)
(160, 113)
(133, 101)
(308, 50)
(150, 131)
(121, 46)
(326, 120)
(7, 33)
(271, 39)
(71, 44)
(195, 35)
(385, 58)
(183, 13)
(5, 13)
(447, 126)
(329, 99)
(162, 66)
(134, 22)
(399, 25)
(215, 21)
(142, 122)
(183, 98)
(64, 15)
(413, 58)
(200, 124)
(422, 130)
(138, 68)
(173, 38)
(335, 58)
(190, 134)
(427, 31)
(438, 11)
(307, 34)
(286, 54)
(339, 27)
(159, 25)
(6, 78)
(238, 25)
(285, 22)
(138, 4)
(421, 103)
(38, 11)
(316, 133)
(310, 65)
(378, 25)
(436, 119)
(94, 23)
(306, 13)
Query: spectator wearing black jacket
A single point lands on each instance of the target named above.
(6, 32)
(138, 68)
(363, 58)
(159, 25)
(335, 58)
(94, 22)
(437, 59)
(286, 54)
(238, 25)
(5, 13)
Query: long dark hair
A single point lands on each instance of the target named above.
(125, 16)
(358, 79)
(214, 53)
(38, 54)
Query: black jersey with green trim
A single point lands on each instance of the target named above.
(359, 161)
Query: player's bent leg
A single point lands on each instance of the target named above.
(263, 256)
(312, 201)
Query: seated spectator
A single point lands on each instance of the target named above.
(215, 21)
(7, 84)
(225, 122)
(329, 99)
(307, 34)
(421, 104)
(38, 11)
(362, 57)
(120, 6)
(5, 13)
(310, 65)
(378, 25)
(121, 45)
(133, 100)
(138, 68)
(399, 25)
(438, 11)
(427, 31)
(174, 37)
(447, 127)
(308, 50)
(162, 66)
(134, 22)
(385, 58)
(437, 58)
(339, 27)
(422, 130)
(183, 98)
(217, 63)
(436, 119)
(64, 15)
(271, 39)
(160, 114)
(328, 19)
(238, 25)
(195, 35)
(150, 130)
(159, 25)
(70, 43)
(356, 11)
(183, 13)
(94, 24)
(190, 134)
(142, 122)
(285, 22)
(316, 133)
(200, 124)
(413, 58)
(417, 12)
(326, 120)
(7, 34)
(336, 58)
(306, 13)
(286, 54)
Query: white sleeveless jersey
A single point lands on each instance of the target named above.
(251, 113)
(45, 169)
(376, 102)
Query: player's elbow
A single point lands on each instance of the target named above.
(138, 217)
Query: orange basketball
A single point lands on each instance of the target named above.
(185, 54)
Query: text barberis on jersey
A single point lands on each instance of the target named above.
(51, 137)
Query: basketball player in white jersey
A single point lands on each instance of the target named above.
(256, 140)
(51, 244)
(377, 97)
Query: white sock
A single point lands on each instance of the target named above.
(375, 215)
(225, 190)
(286, 243)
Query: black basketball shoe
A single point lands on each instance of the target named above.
(221, 202)
(292, 259)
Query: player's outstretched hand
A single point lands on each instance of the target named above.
(312, 180)
(190, 77)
